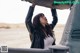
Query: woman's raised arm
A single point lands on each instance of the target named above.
(55, 18)
(29, 18)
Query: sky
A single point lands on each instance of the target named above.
(15, 11)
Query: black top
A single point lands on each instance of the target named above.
(37, 35)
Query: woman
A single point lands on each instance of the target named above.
(41, 33)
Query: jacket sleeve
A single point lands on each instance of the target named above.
(55, 19)
(28, 22)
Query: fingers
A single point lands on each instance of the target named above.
(33, 3)
(51, 6)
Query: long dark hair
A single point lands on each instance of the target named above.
(37, 24)
(36, 20)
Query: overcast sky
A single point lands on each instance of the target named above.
(15, 11)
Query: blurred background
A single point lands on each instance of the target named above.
(13, 31)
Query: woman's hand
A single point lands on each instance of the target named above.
(52, 6)
(33, 3)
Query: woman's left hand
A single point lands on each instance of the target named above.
(51, 6)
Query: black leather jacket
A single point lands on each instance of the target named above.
(36, 36)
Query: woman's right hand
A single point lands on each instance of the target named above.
(33, 3)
